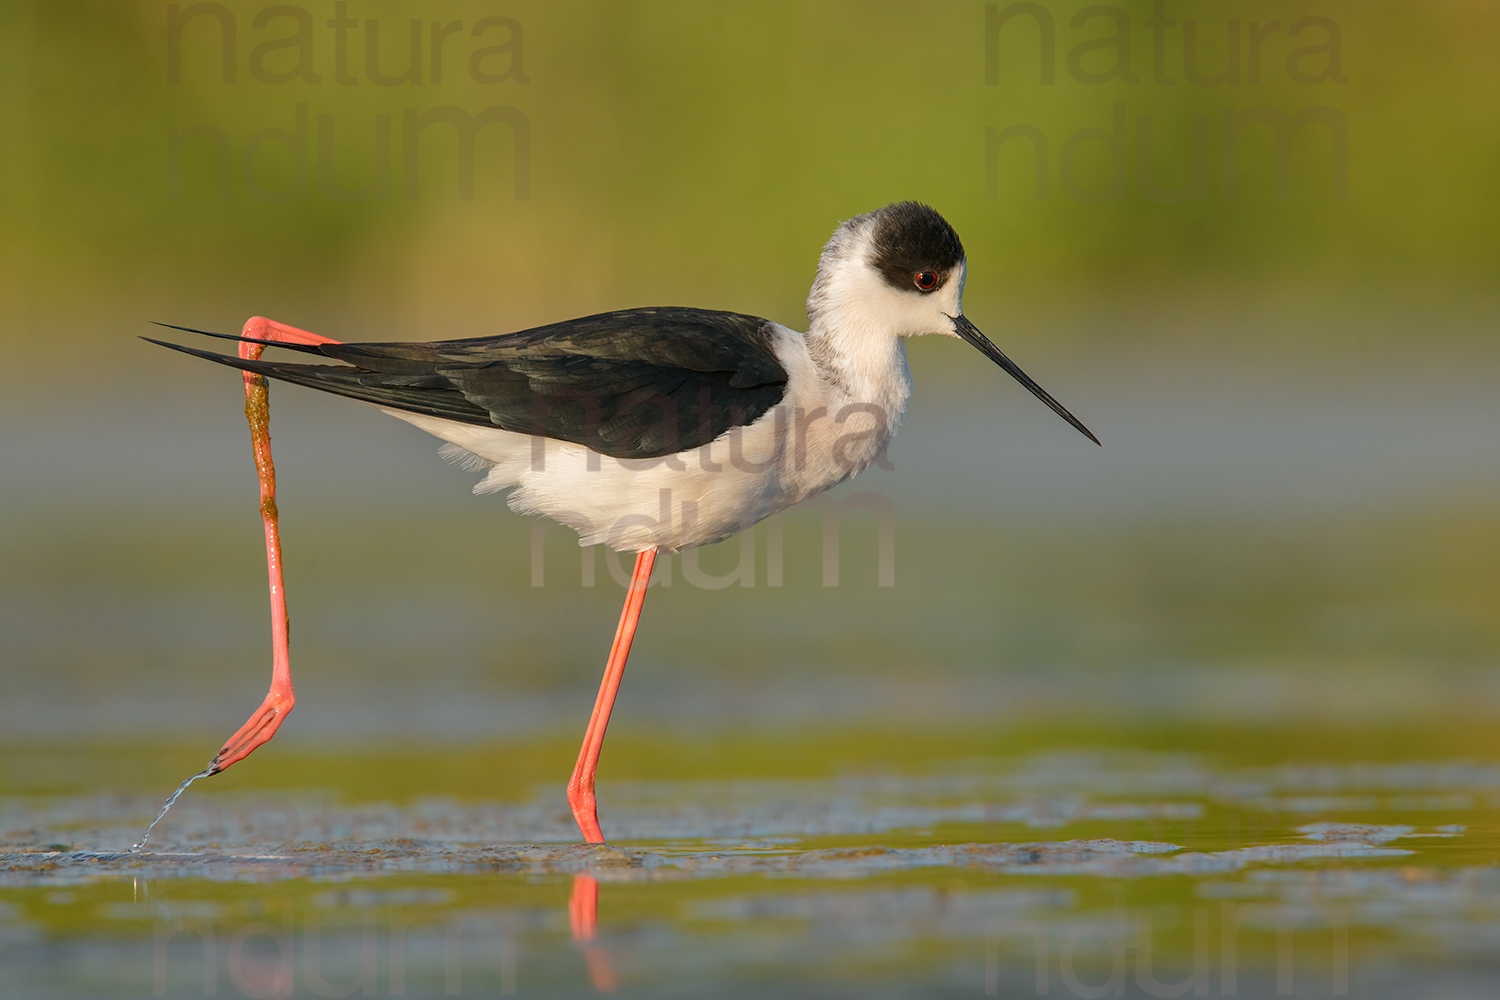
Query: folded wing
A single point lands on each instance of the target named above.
(639, 383)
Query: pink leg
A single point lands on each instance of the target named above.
(262, 725)
(581, 785)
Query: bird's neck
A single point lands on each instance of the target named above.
(851, 342)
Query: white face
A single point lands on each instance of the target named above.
(950, 297)
(911, 312)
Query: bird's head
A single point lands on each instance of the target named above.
(900, 270)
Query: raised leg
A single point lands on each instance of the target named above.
(581, 785)
(262, 725)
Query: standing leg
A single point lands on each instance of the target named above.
(262, 725)
(581, 785)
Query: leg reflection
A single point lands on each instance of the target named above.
(583, 918)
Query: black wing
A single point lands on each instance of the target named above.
(639, 383)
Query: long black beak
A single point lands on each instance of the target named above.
(968, 331)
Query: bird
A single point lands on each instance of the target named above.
(647, 429)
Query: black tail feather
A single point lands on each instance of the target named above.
(304, 348)
(395, 392)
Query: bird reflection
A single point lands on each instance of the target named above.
(583, 919)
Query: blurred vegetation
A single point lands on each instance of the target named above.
(701, 152)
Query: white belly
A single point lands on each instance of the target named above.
(814, 439)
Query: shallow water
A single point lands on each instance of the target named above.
(1052, 873)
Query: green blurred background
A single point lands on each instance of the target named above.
(1291, 517)
(701, 152)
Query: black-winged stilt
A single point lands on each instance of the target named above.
(646, 429)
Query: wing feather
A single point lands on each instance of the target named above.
(639, 383)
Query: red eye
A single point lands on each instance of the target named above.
(926, 280)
